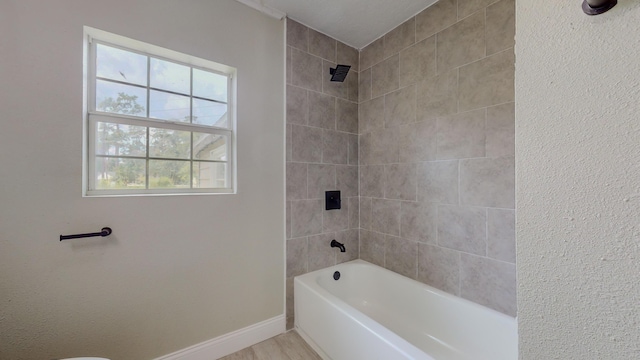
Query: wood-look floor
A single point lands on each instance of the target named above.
(287, 346)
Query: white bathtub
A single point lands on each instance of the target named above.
(373, 313)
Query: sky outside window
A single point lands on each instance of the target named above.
(178, 93)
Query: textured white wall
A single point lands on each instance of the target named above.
(578, 180)
(179, 269)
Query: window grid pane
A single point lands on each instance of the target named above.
(132, 157)
(157, 94)
(121, 65)
(129, 155)
(119, 173)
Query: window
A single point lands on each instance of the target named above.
(157, 121)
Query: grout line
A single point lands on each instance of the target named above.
(436, 52)
(307, 189)
(459, 273)
(457, 70)
(459, 181)
(485, 32)
(486, 120)
(486, 232)
(306, 265)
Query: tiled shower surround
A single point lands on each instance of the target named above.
(436, 152)
(322, 153)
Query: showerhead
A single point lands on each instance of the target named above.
(339, 73)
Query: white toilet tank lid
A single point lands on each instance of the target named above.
(85, 358)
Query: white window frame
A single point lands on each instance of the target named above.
(92, 117)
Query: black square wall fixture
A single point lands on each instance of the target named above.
(332, 200)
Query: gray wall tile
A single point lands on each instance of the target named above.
(435, 18)
(488, 182)
(306, 217)
(307, 144)
(462, 228)
(288, 221)
(364, 149)
(500, 130)
(400, 107)
(353, 152)
(353, 85)
(418, 221)
(401, 256)
(335, 147)
(297, 105)
(400, 181)
(372, 181)
(350, 240)
(321, 254)
(336, 219)
(296, 181)
(438, 182)
(461, 43)
(348, 56)
(321, 178)
(439, 267)
(322, 46)
(384, 146)
(487, 82)
(385, 76)
(289, 145)
(290, 304)
(354, 212)
(489, 282)
(297, 35)
(399, 38)
(288, 66)
(364, 85)
(306, 70)
(437, 96)
(372, 54)
(417, 142)
(501, 234)
(347, 180)
(371, 115)
(462, 135)
(453, 76)
(501, 26)
(296, 256)
(468, 7)
(365, 213)
(322, 110)
(372, 246)
(418, 62)
(347, 116)
(385, 216)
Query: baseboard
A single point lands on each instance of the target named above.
(231, 342)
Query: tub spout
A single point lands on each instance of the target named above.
(334, 243)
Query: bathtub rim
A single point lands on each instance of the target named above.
(435, 290)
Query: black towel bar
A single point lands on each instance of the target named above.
(106, 231)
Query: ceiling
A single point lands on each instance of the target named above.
(355, 22)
